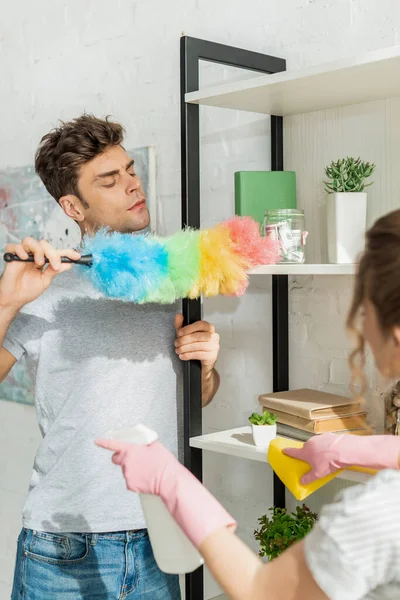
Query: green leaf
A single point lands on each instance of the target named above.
(269, 418)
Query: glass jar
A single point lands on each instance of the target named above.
(287, 226)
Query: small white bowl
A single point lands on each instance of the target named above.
(263, 434)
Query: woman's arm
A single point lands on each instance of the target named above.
(154, 470)
(244, 577)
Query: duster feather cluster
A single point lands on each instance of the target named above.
(189, 264)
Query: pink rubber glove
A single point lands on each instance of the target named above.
(154, 470)
(329, 452)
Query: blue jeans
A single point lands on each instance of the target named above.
(73, 566)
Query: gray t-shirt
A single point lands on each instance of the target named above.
(353, 552)
(98, 364)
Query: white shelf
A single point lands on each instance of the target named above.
(235, 442)
(306, 269)
(239, 442)
(373, 76)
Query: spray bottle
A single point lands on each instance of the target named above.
(173, 551)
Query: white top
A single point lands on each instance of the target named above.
(353, 552)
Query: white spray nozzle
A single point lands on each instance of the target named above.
(139, 435)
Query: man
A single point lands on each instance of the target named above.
(98, 364)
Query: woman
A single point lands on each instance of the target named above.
(353, 552)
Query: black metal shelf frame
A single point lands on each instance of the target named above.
(192, 51)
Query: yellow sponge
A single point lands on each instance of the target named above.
(291, 470)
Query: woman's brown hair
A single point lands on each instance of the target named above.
(378, 280)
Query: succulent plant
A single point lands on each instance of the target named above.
(266, 418)
(348, 175)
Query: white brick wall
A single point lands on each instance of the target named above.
(59, 58)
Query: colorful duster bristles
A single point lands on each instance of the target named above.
(188, 264)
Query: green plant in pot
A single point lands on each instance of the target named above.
(263, 427)
(280, 530)
(346, 207)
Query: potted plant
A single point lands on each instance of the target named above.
(346, 208)
(281, 530)
(263, 427)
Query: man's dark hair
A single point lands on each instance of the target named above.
(63, 151)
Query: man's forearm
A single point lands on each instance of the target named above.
(7, 315)
(210, 383)
(6, 359)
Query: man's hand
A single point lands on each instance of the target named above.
(198, 341)
(23, 282)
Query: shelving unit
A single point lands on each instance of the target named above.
(276, 92)
(192, 51)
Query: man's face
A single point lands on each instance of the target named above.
(113, 192)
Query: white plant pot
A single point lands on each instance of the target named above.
(263, 434)
(346, 226)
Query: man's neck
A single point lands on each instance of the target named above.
(146, 230)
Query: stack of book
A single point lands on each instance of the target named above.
(304, 413)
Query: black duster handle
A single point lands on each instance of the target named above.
(87, 259)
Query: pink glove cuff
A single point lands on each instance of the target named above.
(196, 510)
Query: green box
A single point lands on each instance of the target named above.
(258, 191)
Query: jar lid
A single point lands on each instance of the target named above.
(285, 211)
